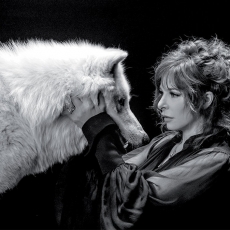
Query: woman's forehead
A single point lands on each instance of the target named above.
(168, 82)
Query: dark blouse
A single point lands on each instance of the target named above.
(108, 189)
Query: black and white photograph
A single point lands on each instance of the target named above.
(114, 114)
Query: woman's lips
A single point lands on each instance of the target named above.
(167, 118)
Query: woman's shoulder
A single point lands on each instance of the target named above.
(224, 150)
(215, 155)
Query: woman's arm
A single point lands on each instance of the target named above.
(104, 141)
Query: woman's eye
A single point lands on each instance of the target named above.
(174, 94)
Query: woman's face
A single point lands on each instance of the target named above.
(176, 115)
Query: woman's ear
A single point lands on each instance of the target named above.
(208, 98)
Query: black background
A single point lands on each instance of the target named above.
(145, 29)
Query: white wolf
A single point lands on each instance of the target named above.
(37, 80)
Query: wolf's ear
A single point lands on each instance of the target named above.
(117, 57)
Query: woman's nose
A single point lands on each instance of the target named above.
(162, 103)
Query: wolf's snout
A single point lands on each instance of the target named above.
(131, 146)
(145, 139)
(140, 140)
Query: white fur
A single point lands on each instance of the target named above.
(36, 80)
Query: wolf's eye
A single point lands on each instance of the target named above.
(121, 101)
(120, 104)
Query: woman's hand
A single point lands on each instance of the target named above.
(85, 109)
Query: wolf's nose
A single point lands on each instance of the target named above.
(145, 140)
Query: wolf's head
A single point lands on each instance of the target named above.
(43, 76)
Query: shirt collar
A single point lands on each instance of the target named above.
(209, 139)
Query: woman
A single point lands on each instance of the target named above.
(181, 178)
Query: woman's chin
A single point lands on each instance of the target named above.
(171, 128)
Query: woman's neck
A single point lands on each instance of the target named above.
(192, 130)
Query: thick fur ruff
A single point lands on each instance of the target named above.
(37, 79)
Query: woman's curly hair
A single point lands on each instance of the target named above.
(198, 66)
